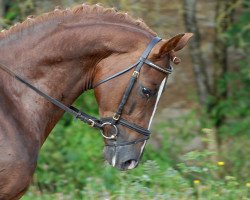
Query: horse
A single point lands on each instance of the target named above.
(48, 61)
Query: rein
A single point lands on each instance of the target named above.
(116, 119)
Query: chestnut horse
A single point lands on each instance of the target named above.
(64, 53)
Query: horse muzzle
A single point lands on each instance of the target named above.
(123, 157)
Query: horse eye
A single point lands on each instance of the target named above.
(146, 92)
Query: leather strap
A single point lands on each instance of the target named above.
(147, 51)
(155, 66)
(115, 75)
(94, 122)
(129, 125)
(142, 59)
(133, 78)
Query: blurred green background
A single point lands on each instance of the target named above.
(200, 146)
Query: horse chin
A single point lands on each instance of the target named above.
(122, 157)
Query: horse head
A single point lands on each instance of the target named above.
(128, 108)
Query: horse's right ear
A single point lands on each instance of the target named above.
(176, 43)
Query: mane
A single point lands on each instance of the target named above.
(82, 11)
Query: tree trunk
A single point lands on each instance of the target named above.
(1, 13)
(195, 50)
(224, 18)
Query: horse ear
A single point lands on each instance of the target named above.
(176, 43)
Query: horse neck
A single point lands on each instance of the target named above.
(61, 61)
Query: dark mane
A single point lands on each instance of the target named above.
(82, 11)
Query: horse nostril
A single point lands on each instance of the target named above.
(129, 164)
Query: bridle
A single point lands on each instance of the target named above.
(116, 119)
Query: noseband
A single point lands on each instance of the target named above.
(116, 119)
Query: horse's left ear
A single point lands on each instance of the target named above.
(174, 44)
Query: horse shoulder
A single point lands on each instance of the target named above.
(16, 165)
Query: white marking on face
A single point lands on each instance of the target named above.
(155, 107)
(114, 159)
(142, 147)
(157, 100)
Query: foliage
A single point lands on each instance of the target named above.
(234, 110)
(236, 107)
(153, 182)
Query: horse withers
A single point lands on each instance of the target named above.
(63, 54)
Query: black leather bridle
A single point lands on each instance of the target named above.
(116, 119)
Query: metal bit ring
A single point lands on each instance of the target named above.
(112, 136)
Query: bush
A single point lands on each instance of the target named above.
(201, 180)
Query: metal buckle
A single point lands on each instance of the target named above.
(112, 136)
(92, 123)
(136, 74)
(116, 117)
